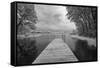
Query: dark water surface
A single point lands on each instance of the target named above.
(82, 50)
(28, 49)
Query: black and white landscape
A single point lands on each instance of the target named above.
(55, 33)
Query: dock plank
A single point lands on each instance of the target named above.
(56, 51)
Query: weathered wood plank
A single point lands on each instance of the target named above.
(56, 51)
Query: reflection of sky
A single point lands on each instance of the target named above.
(53, 18)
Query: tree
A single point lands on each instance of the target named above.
(26, 18)
(85, 19)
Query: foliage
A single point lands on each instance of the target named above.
(26, 20)
(85, 18)
(26, 17)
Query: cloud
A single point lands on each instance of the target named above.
(53, 17)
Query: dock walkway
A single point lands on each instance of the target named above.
(56, 51)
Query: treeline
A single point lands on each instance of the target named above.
(26, 18)
(85, 19)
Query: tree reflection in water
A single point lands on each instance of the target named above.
(26, 51)
(84, 52)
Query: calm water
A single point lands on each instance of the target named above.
(43, 41)
(82, 50)
(29, 48)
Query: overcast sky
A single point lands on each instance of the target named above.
(53, 17)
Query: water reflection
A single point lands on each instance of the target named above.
(30, 48)
(84, 52)
(26, 51)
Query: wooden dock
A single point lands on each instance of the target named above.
(56, 51)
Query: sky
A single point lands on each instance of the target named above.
(52, 17)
